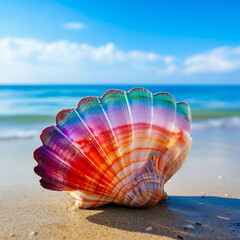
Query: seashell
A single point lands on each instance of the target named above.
(121, 148)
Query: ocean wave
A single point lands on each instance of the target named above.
(49, 99)
(217, 123)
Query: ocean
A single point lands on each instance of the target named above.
(25, 110)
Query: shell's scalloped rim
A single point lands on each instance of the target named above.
(34, 155)
(45, 130)
(184, 104)
(164, 93)
(64, 112)
(139, 88)
(109, 92)
(86, 99)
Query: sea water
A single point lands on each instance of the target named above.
(25, 110)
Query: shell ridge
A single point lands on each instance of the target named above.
(133, 163)
(165, 93)
(151, 122)
(97, 100)
(175, 115)
(183, 113)
(146, 180)
(85, 100)
(138, 88)
(52, 178)
(62, 114)
(80, 150)
(58, 118)
(175, 109)
(133, 135)
(131, 119)
(57, 171)
(139, 104)
(152, 187)
(125, 189)
(115, 139)
(93, 136)
(183, 148)
(178, 160)
(109, 92)
(51, 185)
(164, 117)
(164, 108)
(119, 98)
(50, 181)
(74, 170)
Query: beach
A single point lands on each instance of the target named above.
(204, 193)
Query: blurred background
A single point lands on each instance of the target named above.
(53, 53)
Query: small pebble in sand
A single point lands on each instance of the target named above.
(12, 235)
(179, 237)
(77, 204)
(33, 233)
(149, 229)
(198, 224)
(235, 227)
(189, 227)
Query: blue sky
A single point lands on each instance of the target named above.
(159, 42)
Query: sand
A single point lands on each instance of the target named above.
(212, 169)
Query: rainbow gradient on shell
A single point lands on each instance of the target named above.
(121, 148)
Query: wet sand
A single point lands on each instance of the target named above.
(204, 193)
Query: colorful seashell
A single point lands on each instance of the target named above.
(121, 148)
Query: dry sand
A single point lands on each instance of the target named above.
(29, 212)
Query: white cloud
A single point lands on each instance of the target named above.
(26, 60)
(14, 49)
(220, 59)
(74, 25)
(31, 60)
(171, 68)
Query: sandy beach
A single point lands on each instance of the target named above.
(204, 193)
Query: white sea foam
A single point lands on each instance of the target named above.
(217, 123)
(19, 134)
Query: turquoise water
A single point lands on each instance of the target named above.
(25, 110)
(48, 100)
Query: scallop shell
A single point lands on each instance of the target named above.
(121, 148)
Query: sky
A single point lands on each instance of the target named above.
(129, 42)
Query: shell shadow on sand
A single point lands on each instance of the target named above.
(211, 217)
